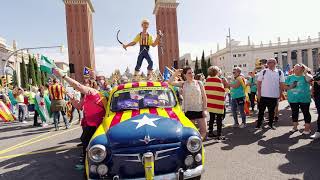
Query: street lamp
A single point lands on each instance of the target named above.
(23, 49)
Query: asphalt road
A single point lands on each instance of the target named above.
(30, 153)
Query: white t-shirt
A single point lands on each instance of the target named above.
(270, 86)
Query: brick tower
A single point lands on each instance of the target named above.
(166, 20)
(80, 36)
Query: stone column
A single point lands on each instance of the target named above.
(299, 56)
(310, 59)
(280, 59)
(289, 58)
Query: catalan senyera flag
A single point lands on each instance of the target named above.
(5, 113)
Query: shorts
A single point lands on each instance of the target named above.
(194, 115)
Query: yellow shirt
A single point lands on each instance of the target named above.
(147, 41)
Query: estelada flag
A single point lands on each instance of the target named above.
(86, 71)
(5, 113)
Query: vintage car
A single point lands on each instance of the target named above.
(145, 135)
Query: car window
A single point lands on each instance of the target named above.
(142, 97)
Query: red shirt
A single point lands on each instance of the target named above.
(93, 110)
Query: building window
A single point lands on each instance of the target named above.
(223, 57)
(235, 66)
(244, 65)
(234, 55)
(243, 55)
(240, 65)
(239, 55)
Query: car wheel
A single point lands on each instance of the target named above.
(196, 178)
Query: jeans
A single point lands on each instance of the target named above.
(235, 103)
(219, 118)
(22, 112)
(305, 107)
(270, 103)
(252, 97)
(56, 116)
(144, 54)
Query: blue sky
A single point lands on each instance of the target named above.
(202, 24)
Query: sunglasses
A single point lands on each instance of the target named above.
(189, 72)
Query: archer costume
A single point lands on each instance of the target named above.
(145, 44)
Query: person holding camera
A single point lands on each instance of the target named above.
(299, 97)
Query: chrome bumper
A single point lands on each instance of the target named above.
(188, 174)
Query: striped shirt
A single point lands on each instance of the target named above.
(215, 93)
(56, 92)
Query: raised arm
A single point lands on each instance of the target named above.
(173, 81)
(73, 83)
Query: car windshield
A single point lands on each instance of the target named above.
(142, 97)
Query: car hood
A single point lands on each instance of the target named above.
(145, 129)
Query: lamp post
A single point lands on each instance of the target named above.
(26, 49)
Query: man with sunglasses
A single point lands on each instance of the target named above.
(269, 86)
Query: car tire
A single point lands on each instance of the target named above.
(196, 178)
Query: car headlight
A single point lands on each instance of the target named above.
(194, 144)
(97, 153)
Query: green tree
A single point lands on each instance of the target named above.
(31, 71)
(204, 68)
(14, 79)
(196, 66)
(209, 62)
(37, 72)
(23, 74)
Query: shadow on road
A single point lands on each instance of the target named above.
(56, 164)
(304, 159)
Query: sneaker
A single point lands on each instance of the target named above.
(24, 122)
(235, 125)
(316, 135)
(306, 132)
(271, 127)
(293, 130)
(44, 124)
(258, 128)
(222, 138)
(276, 119)
(79, 167)
(243, 125)
(68, 126)
(57, 128)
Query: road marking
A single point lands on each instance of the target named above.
(2, 151)
(37, 152)
(32, 142)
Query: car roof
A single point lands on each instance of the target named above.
(140, 84)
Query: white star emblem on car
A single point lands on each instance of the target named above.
(145, 121)
(146, 139)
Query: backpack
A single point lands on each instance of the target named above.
(264, 72)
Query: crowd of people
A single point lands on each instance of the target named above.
(201, 99)
(207, 98)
